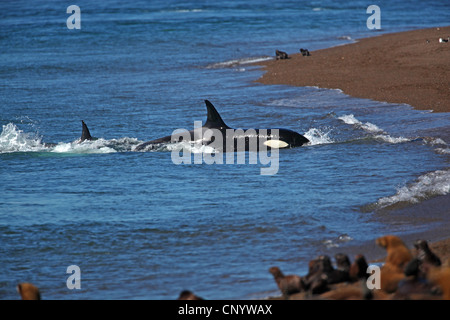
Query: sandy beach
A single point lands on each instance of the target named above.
(408, 67)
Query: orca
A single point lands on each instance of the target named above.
(85, 134)
(231, 139)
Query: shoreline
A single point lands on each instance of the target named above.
(408, 67)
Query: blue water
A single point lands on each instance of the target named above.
(141, 227)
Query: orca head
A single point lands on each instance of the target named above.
(291, 138)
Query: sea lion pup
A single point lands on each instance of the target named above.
(424, 259)
(343, 264)
(315, 281)
(398, 255)
(334, 276)
(28, 291)
(188, 295)
(280, 55)
(305, 52)
(425, 254)
(321, 274)
(358, 269)
(289, 284)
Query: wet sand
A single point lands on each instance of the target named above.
(408, 67)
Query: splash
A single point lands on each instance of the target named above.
(369, 127)
(318, 136)
(96, 146)
(12, 139)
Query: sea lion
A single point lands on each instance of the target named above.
(188, 295)
(334, 276)
(424, 259)
(390, 277)
(305, 52)
(280, 55)
(398, 255)
(321, 274)
(288, 284)
(358, 269)
(342, 262)
(28, 291)
(425, 254)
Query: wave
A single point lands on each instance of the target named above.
(378, 133)
(187, 10)
(238, 62)
(427, 186)
(350, 119)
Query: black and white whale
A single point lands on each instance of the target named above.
(222, 138)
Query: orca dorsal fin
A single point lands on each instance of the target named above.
(213, 119)
(85, 134)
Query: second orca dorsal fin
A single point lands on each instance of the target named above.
(85, 134)
(214, 119)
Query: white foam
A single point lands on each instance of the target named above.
(427, 186)
(188, 10)
(191, 147)
(336, 243)
(369, 127)
(378, 133)
(318, 136)
(389, 139)
(238, 62)
(95, 146)
(12, 139)
(443, 150)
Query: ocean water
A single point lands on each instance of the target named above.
(139, 226)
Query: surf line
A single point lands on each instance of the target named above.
(262, 146)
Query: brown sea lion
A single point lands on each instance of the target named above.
(398, 255)
(288, 284)
(188, 295)
(28, 291)
(358, 269)
(315, 281)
